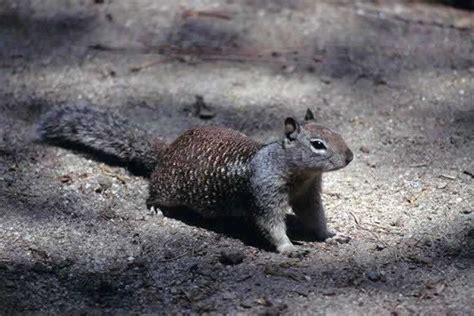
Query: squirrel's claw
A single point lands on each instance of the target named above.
(292, 251)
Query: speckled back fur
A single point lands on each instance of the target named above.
(206, 169)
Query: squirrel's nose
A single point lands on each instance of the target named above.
(349, 156)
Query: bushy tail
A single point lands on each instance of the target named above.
(106, 135)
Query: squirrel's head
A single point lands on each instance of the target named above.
(312, 147)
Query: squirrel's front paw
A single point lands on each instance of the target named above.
(154, 211)
(292, 251)
(323, 235)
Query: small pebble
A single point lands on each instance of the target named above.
(325, 79)
(379, 247)
(442, 185)
(371, 164)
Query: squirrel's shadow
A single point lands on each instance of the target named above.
(236, 227)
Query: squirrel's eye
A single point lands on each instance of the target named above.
(317, 144)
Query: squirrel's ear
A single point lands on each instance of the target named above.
(292, 128)
(309, 116)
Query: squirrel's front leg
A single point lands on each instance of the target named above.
(269, 203)
(271, 223)
(269, 213)
(306, 202)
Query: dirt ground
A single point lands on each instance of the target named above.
(396, 79)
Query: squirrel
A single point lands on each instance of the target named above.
(215, 171)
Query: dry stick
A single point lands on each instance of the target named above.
(421, 164)
(447, 176)
(368, 230)
(204, 56)
(210, 14)
(122, 179)
(175, 258)
(397, 18)
(172, 52)
(150, 64)
(21, 193)
(387, 230)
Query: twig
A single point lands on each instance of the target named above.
(175, 258)
(245, 278)
(359, 226)
(355, 218)
(421, 164)
(172, 52)
(381, 15)
(150, 64)
(446, 176)
(22, 193)
(210, 14)
(468, 173)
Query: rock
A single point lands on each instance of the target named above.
(40, 267)
(228, 296)
(464, 23)
(203, 111)
(374, 276)
(264, 302)
(325, 79)
(246, 304)
(231, 257)
(364, 149)
(275, 310)
(66, 179)
(104, 183)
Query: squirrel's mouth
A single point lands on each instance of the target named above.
(338, 164)
(335, 169)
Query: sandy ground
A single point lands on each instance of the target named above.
(397, 80)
